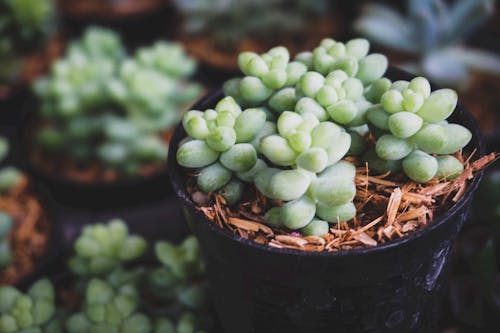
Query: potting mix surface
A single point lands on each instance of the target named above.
(30, 235)
(389, 207)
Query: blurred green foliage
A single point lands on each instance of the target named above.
(119, 296)
(29, 312)
(230, 21)
(434, 32)
(100, 104)
(24, 26)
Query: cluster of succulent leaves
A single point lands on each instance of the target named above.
(23, 24)
(29, 312)
(101, 248)
(286, 126)
(434, 31)
(101, 104)
(135, 298)
(6, 224)
(9, 177)
(229, 22)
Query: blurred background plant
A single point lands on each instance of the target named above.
(434, 32)
(431, 39)
(25, 25)
(228, 22)
(216, 30)
(100, 105)
(118, 290)
(9, 178)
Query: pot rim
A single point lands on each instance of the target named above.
(174, 170)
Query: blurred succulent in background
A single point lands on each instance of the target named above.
(180, 279)
(101, 248)
(24, 26)
(136, 298)
(101, 105)
(28, 312)
(433, 31)
(6, 224)
(230, 21)
(9, 177)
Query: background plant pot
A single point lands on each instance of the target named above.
(123, 16)
(395, 287)
(47, 263)
(90, 194)
(33, 65)
(109, 9)
(206, 49)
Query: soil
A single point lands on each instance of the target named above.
(30, 234)
(389, 206)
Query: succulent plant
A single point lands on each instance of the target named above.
(109, 309)
(102, 248)
(410, 124)
(100, 105)
(141, 298)
(180, 279)
(6, 224)
(9, 176)
(434, 31)
(23, 25)
(28, 312)
(302, 117)
(230, 21)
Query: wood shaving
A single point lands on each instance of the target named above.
(29, 236)
(389, 207)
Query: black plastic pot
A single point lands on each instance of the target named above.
(394, 287)
(123, 192)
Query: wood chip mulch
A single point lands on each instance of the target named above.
(30, 233)
(389, 207)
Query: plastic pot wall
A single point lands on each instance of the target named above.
(396, 287)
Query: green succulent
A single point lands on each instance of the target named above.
(6, 224)
(180, 279)
(230, 21)
(109, 309)
(434, 31)
(9, 176)
(24, 24)
(286, 126)
(27, 313)
(99, 104)
(102, 248)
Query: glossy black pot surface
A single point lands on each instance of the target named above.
(394, 287)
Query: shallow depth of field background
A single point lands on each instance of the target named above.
(455, 48)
